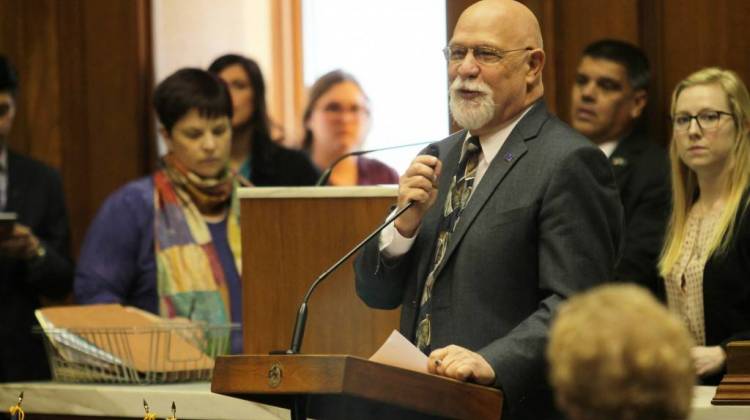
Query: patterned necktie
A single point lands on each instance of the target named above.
(458, 195)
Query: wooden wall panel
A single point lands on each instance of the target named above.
(76, 168)
(38, 113)
(694, 34)
(116, 98)
(86, 75)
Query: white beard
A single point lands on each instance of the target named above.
(471, 113)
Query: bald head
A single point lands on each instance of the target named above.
(511, 20)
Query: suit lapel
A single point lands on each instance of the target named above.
(512, 151)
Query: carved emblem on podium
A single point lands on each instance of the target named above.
(275, 375)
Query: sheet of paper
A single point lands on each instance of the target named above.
(400, 352)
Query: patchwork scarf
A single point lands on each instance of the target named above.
(190, 278)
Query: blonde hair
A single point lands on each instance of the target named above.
(616, 353)
(684, 181)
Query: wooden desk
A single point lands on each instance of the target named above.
(195, 401)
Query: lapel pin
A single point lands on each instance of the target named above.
(508, 157)
(619, 161)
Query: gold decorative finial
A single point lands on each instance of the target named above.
(149, 415)
(16, 412)
(174, 412)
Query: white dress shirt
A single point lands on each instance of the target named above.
(609, 147)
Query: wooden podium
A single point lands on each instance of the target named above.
(289, 237)
(734, 388)
(347, 387)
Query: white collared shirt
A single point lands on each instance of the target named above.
(608, 147)
(393, 244)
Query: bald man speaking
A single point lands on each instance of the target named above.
(518, 213)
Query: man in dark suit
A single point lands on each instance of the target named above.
(608, 99)
(519, 212)
(34, 261)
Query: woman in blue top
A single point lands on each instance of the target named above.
(169, 243)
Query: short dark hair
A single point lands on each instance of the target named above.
(321, 86)
(626, 54)
(190, 88)
(8, 77)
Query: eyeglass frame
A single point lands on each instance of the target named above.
(335, 108)
(501, 54)
(696, 117)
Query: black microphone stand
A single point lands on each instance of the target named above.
(299, 324)
(323, 180)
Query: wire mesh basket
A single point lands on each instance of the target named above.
(161, 353)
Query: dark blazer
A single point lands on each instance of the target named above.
(276, 165)
(641, 170)
(726, 290)
(35, 194)
(543, 223)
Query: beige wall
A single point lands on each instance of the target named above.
(195, 32)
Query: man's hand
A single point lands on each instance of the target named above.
(708, 360)
(462, 364)
(20, 244)
(417, 184)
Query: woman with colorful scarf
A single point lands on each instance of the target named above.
(169, 243)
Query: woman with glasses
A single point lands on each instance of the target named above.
(255, 156)
(336, 120)
(706, 256)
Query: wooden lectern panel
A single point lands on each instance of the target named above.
(345, 387)
(734, 388)
(289, 237)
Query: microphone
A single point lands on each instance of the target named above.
(299, 324)
(327, 173)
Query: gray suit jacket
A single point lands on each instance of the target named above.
(544, 222)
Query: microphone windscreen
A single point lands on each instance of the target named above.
(431, 150)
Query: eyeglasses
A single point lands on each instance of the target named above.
(707, 120)
(335, 108)
(483, 55)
